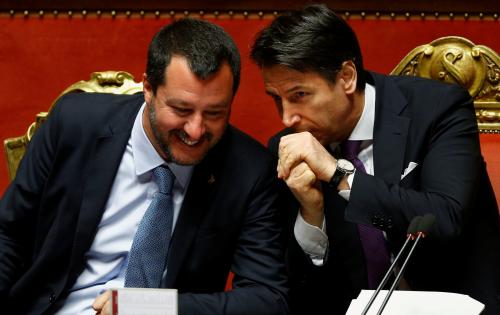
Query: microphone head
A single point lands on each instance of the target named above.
(426, 223)
(414, 225)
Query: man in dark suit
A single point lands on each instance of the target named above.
(417, 153)
(68, 220)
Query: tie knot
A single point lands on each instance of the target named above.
(350, 148)
(164, 178)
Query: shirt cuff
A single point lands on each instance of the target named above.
(346, 194)
(312, 240)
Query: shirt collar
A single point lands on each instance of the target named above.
(146, 158)
(364, 127)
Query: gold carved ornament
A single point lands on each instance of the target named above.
(457, 60)
(116, 82)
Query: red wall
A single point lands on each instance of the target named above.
(39, 57)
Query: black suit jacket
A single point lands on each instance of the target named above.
(50, 213)
(432, 124)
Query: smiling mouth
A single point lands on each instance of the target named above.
(185, 138)
(189, 142)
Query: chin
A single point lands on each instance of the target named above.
(186, 161)
(188, 155)
(183, 154)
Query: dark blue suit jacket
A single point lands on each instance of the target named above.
(50, 213)
(434, 125)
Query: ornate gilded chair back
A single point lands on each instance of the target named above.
(458, 60)
(116, 82)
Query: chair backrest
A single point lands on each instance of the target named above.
(458, 60)
(116, 82)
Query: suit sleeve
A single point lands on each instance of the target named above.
(259, 283)
(444, 182)
(20, 203)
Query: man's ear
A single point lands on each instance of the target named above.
(147, 89)
(349, 76)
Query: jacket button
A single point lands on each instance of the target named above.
(389, 224)
(52, 297)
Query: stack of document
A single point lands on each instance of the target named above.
(417, 303)
(134, 301)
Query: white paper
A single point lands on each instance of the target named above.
(417, 303)
(140, 301)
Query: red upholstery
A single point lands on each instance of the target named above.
(39, 57)
(490, 147)
(229, 283)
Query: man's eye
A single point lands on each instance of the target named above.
(300, 94)
(182, 111)
(276, 99)
(214, 114)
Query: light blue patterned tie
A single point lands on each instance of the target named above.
(148, 255)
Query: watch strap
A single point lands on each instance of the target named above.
(336, 178)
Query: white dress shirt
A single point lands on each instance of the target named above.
(312, 239)
(132, 192)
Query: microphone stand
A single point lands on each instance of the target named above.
(386, 277)
(424, 226)
(399, 274)
(410, 236)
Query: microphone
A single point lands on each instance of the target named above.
(410, 236)
(422, 231)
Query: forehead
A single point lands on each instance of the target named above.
(180, 77)
(283, 77)
(280, 73)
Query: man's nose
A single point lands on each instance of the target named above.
(289, 118)
(195, 127)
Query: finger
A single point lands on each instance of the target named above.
(290, 161)
(287, 144)
(280, 167)
(301, 177)
(283, 169)
(281, 157)
(279, 170)
(305, 174)
(100, 301)
(281, 147)
(292, 151)
(106, 308)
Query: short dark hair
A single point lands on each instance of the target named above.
(312, 39)
(206, 47)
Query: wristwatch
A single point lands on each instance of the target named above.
(344, 168)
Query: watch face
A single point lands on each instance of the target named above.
(345, 165)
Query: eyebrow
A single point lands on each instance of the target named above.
(172, 101)
(293, 89)
(176, 102)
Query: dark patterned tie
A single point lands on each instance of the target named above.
(148, 255)
(372, 239)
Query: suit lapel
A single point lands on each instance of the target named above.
(390, 130)
(99, 176)
(194, 208)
